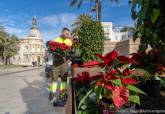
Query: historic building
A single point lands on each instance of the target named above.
(31, 48)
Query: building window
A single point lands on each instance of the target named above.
(26, 47)
(116, 37)
(106, 36)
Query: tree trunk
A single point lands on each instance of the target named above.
(9, 60)
(98, 10)
(6, 61)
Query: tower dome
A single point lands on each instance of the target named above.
(34, 31)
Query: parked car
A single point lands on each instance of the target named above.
(48, 67)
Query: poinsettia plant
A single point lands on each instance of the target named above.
(116, 83)
(56, 48)
(148, 63)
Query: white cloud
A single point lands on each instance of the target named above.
(3, 20)
(50, 34)
(17, 31)
(51, 20)
(63, 19)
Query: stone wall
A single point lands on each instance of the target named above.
(125, 47)
(109, 46)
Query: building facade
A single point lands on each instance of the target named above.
(122, 42)
(30, 48)
(114, 34)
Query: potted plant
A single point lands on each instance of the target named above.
(150, 68)
(111, 90)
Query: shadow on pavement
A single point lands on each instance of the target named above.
(35, 97)
(7, 113)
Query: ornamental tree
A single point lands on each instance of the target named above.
(91, 38)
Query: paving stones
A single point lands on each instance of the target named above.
(23, 91)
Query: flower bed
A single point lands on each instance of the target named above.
(109, 90)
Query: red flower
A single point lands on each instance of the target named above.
(129, 81)
(74, 65)
(108, 58)
(99, 83)
(153, 53)
(125, 59)
(109, 86)
(136, 56)
(91, 63)
(127, 72)
(120, 96)
(54, 45)
(112, 55)
(84, 78)
(112, 72)
(160, 69)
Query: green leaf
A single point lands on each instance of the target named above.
(117, 82)
(84, 98)
(155, 15)
(135, 89)
(84, 107)
(116, 63)
(79, 112)
(134, 99)
(98, 90)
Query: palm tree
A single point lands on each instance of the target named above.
(82, 18)
(2, 41)
(2, 34)
(97, 7)
(8, 45)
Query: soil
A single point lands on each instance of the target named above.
(151, 105)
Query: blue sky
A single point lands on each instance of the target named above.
(16, 15)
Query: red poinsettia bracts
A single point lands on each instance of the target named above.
(129, 81)
(55, 45)
(83, 78)
(120, 96)
(147, 59)
(116, 77)
(127, 72)
(108, 59)
(125, 59)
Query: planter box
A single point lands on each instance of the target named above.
(71, 103)
(92, 71)
(70, 109)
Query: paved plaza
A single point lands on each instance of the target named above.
(23, 91)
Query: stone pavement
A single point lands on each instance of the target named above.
(22, 91)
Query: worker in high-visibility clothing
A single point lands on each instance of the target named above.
(60, 64)
(57, 90)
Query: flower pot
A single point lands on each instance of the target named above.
(161, 58)
(151, 87)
